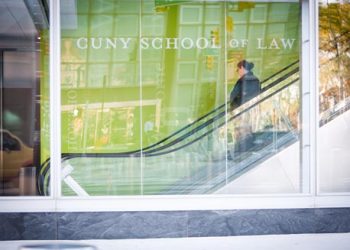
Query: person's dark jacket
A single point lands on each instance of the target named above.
(246, 88)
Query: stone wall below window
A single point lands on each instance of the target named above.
(171, 224)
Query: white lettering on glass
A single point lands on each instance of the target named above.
(144, 43)
(95, 45)
(172, 43)
(184, 43)
(187, 43)
(261, 44)
(111, 43)
(84, 41)
(125, 42)
(287, 43)
(159, 40)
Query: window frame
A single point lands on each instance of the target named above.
(308, 199)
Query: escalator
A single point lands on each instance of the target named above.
(201, 143)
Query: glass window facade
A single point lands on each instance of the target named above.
(25, 102)
(167, 97)
(180, 97)
(334, 96)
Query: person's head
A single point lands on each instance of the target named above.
(243, 67)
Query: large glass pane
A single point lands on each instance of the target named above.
(24, 104)
(263, 124)
(101, 106)
(334, 96)
(188, 82)
(146, 97)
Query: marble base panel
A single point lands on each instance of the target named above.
(28, 226)
(171, 224)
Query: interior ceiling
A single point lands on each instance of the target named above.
(16, 20)
(18, 34)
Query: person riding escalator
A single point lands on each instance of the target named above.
(246, 88)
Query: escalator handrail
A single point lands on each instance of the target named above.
(45, 167)
(67, 156)
(137, 153)
(222, 124)
(216, 109)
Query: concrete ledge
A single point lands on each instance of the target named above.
(261, 242)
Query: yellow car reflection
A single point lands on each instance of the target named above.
(14, 155)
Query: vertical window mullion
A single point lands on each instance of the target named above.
(316, 92)
(308, 95)
(314, 95)
(141, 99)
(55, 99)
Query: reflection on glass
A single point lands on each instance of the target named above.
(100, 97)
(145, 106)
(263, 129)
(24, 96)
(185, 92)
(334, 96)
(263, 135)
